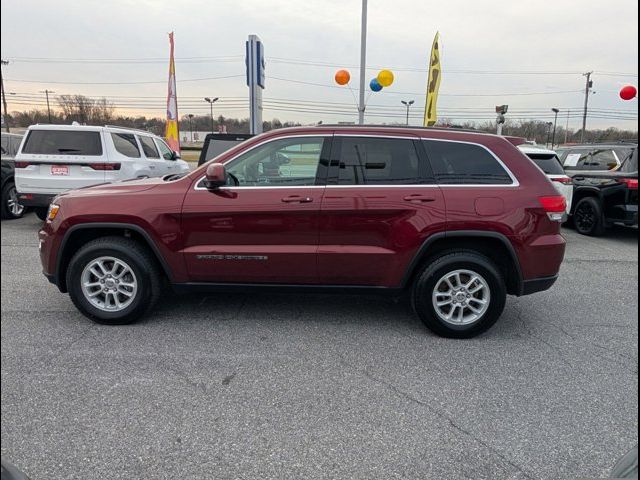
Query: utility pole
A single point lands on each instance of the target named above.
(4, 98)
(555, 125)
(363, 62)
(586, 104)
(566, 130)
(408, 105)
(47, 92)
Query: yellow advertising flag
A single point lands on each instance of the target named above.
(172, 134)
(433, 84)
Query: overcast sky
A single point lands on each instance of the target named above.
(559, 39)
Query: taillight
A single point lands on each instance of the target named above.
(631, 183)
(104, 166)
(21, 164)
(556, 207)
(564, 180)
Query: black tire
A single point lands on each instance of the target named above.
(588, 217)
(431, 274)
(41, 212)
(141, 261)
(9, 195)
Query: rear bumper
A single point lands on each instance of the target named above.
(536, 285)
(627, 214)
(35, 199)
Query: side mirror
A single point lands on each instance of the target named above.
(215, 177)
(175, 156)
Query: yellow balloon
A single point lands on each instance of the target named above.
(385, 78)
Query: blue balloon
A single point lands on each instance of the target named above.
(375, 85)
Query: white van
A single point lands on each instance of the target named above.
(55, 158)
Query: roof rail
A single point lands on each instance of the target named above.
(128, 128)
(403, 127)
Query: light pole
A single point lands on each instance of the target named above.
(191, 125)
(587, 91)
(549, 125)
(555, 125)
(408, 105)
(211, 101)
(47, 92)
(363, 62)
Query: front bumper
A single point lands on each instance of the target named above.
(35, 199)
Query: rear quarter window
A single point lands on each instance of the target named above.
(126, 144)
(63, 142)
(456, 163)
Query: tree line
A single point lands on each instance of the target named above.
(92, 111)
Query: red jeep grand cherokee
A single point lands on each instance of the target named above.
(457, 219)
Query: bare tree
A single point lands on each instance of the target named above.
(83, 109)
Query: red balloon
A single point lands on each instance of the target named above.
(629, 92)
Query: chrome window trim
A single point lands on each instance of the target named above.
(515, 183)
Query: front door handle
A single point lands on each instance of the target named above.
(297, 199)
(418, 198)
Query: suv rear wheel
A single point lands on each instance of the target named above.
(113, 280)
(459, 295)
(588, 217)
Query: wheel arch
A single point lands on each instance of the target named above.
(79, 235)
(493, 245)
(581, 193)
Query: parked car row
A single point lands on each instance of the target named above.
(600, 182)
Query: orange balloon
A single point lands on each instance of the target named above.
(343, 77)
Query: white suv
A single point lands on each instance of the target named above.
(55, 158)
(549, 163)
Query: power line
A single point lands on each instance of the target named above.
(122, 83)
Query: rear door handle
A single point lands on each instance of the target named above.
(297, 199)
(418, 198)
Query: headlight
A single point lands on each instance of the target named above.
(53, 212)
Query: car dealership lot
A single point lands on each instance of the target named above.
(266, 386)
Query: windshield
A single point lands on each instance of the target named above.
(548, 162)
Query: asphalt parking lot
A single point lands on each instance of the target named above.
(268, 386)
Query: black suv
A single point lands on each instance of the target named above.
(9, 206)
(605, 179)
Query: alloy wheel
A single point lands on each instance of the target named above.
(109, 284)
(461, 297)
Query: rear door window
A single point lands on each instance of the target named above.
(63, 142)
(126, 144)
(548, 163)
(149, 147)
(379, 161)
(456, 163)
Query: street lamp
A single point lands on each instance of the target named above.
(549, 125)
(555, 124)
(191, 125)
(211, 101)
(408, 105)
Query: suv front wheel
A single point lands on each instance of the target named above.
(113, 280)
(459, 295)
